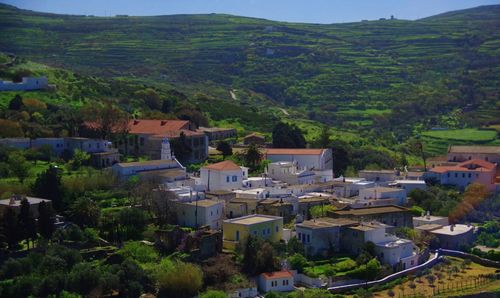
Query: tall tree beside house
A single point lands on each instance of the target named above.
(16, 103)
(19, 166)
(48, 186)
(181, 148)
(46, 220)
(106, 119)
(323, 140)
(341, 154)
(252, 157)
(288, 136)
(10, 129)
(27, 223)
(225, 148)
(11, 228)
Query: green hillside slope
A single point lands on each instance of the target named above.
(360, 77)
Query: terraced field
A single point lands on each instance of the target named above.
(437, 141)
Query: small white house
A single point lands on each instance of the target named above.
(409, 185)
(378, 193)
(127, 169)
(27, 83)
(310, 159)
(200, 213)
(290, 173)
(429, 219)
(225, 175)
(279, 281)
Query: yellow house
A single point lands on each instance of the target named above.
(237, 230)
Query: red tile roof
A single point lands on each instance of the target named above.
(293, 151)
(227, 165)
(474, 165)
(154, 127)
(277, 274)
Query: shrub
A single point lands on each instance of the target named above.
(183, 280)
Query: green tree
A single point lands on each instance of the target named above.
(83, 279)
(19, 166)
(27, 223)
(183, 280)
(79, 159)
(288, 136)
(298, 262)
(252, 156)
(225, 148)
(48, 186)
(11, 228)
(132, 223)
(323, 140)
(85, 212)
(46, 220)
(341, 153)
(10, 129)
(16, 103)
(295, 246)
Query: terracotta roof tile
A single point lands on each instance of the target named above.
(143, 126)
(277, 274)
(227, 165)
(476, 165)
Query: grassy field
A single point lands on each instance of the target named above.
(436, 142)
(467, 134)
(423, 289)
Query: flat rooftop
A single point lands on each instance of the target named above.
(410, 182)
(457, 230)
(17, 202)
(202, 203)
(428, 227)
(429, 218)
(253, 219)
(326, 222)
(371, 210)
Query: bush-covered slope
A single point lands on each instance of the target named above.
(357, 76)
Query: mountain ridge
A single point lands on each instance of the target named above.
(355, 76)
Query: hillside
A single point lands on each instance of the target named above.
(365, 78)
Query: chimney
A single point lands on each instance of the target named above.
(136, 122)
(12, 200)
(428, 215)
(452, 227)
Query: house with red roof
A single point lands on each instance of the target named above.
(309, 159)
(278, 281)
(465, 173)
(224, 175)
(145, 137)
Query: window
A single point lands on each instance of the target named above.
(456, 175)
(268, 231)
(227, 179)
(463, 175)
(448, 175)
(308, 238)
(211, 213)
(470, 175)
(237, 235)
(235, 178)
(255, 233)
(412, 262)
(276, 228)
(263, 232)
